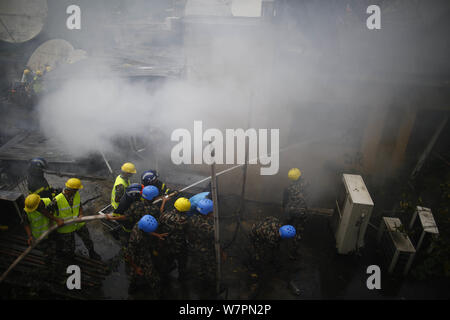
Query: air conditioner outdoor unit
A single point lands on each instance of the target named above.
(352, 214)
(424, 229)
(396, 247)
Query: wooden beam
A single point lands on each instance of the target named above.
(372, 138)
(404, 133)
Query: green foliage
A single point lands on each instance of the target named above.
(437, 264)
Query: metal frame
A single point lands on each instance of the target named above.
(112, 225)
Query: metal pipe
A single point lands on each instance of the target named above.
(240, 165)
(429, 147)
(107, 163)
(216, 224)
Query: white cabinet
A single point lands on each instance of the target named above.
(423, 229)
(397, 250)
(352, 214)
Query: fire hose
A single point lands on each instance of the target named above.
(103, 216)
(54, 227)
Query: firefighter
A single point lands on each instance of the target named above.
(37, 183)
(47, 69)
(150, 177)
(122, 182)
(132, 193)
(37, 82)
(27, 76)
(265, 237)
(174, 223)
(139, 257)
(140, 208)
(134, 206)
(295, 206)
(67, 205)
(38, 221)
(195, 199)
(200, 235)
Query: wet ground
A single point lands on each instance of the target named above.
(317, 273)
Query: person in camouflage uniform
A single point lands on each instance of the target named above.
(295, 206)
(265, 237)
(174, 223)
(200, 235)
(137, 208)
(139, 256)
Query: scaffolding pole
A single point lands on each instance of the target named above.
(216, 224)
(429, 148)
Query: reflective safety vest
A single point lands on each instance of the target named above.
(37, 85)
(38, 191)
(67, 212)
(119, 180)
(38, 222)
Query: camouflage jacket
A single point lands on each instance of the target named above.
(138, 209)
(266, 232)
(140, 247)
(175, 224)
(294, 198)
(200, 232)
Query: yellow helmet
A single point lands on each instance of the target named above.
(48, 68)
(182, 204)
(26, 71)
(38, 72)
(294, 174)
(32, 202)
(74, 183)
(128, 168)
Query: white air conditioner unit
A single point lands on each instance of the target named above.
(424, 229)
(396, 247)
(352, 214)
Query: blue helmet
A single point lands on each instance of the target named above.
(150, 192)
(38, 163)
(148, 223)
(196, 198)
(205, 206)
(149, 177)
(134, 190)
(287, 231)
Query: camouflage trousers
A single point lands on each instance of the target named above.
(65, 242)
(297, 219)
(262, 257)
(124, 236)
(150, 280)
(205, 264)
(48, 249)
(48, 246)
(168, 253)
(263, 261)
